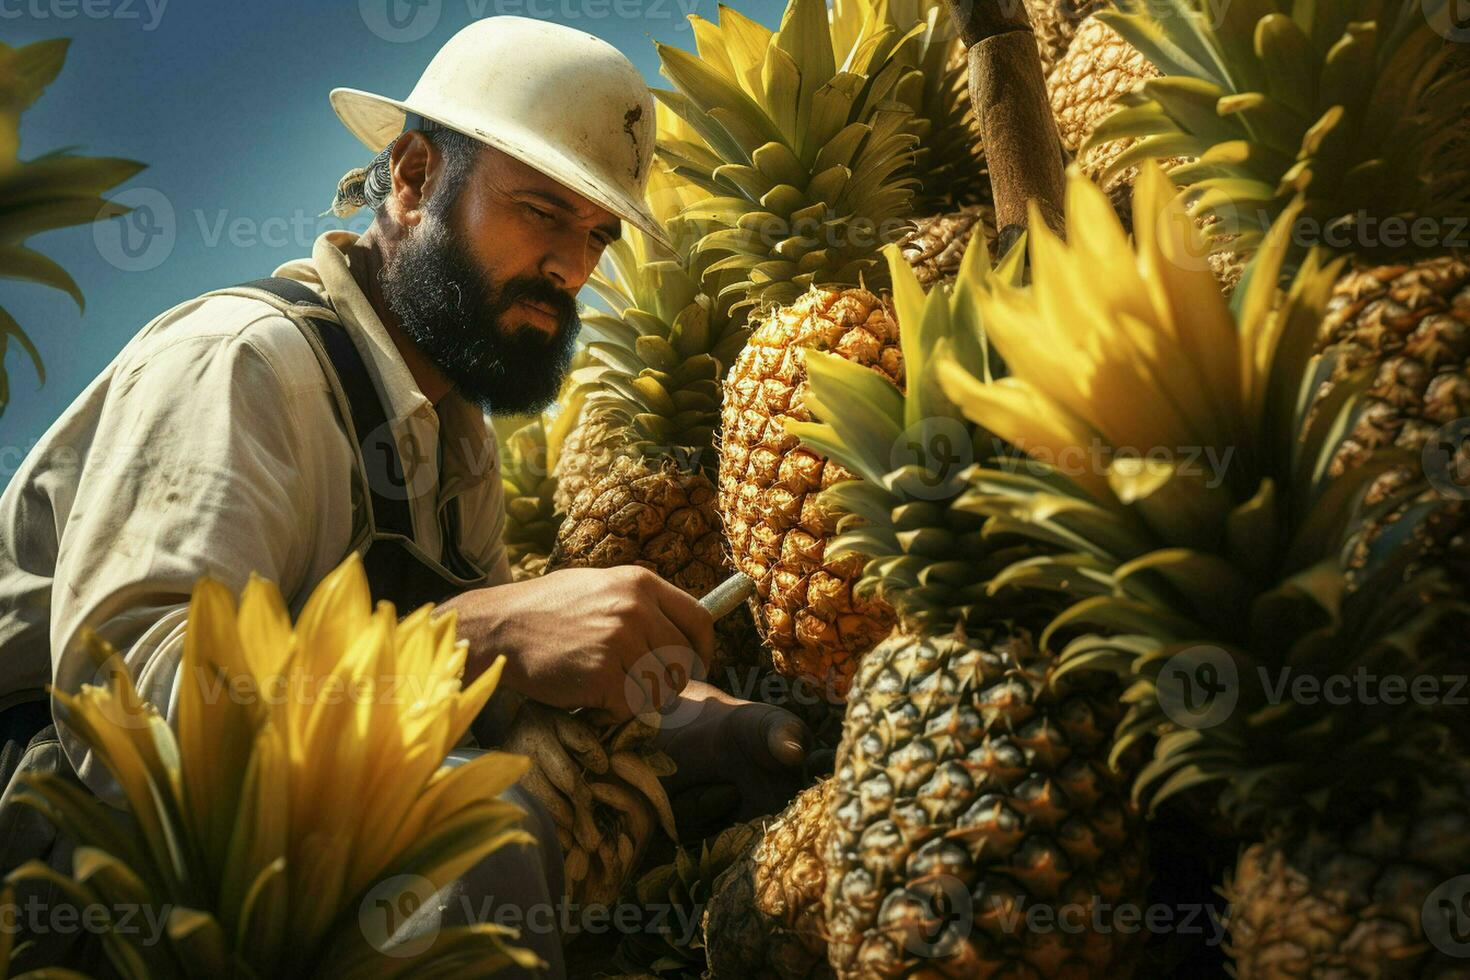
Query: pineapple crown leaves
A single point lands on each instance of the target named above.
(56, 190)
(528, 455)
(909, 449)
(805, 150)
(661, 352)
(949, 162)
(1353, 106)
(686, 885)
(1118, 345)
(232, 809)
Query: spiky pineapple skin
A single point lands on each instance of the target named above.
(765, 916)
(963, 780)
(1411, 323)
(660, 517)
(1098, 68)
(1055, 24)
(937, 244)
(808, 615)
(652, 515)
(588, 454)
(1346, 901)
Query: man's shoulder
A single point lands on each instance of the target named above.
(219, 322)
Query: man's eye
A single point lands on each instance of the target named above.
(543, 215)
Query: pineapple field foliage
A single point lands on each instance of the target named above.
(54, 190)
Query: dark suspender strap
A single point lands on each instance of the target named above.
(384, 470)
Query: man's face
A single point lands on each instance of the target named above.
(485, 283)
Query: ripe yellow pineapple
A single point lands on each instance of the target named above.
(1086, 86)
(1056, 23)
(765, 916)
(814, 624)
(804, 194)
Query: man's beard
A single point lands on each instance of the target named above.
(464, 323)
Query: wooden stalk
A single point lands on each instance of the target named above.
(1022, 148)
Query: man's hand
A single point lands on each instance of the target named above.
(618, 640)
(736, 759)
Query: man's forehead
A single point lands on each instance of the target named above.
(515, 175)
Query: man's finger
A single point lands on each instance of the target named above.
(676, 664)
(635, 694)
(770, 736)
(787, 739)
(692, 620)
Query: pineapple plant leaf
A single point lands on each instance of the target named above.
(528, 455)
(803, 149)
(672, 943)
(1353, 110)
(1354, 107)
(254, 836)
(55, 190)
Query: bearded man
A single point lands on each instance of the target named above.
(340, 406)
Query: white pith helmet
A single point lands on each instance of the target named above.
(557, 99)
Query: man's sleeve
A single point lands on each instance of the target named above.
(197, 468)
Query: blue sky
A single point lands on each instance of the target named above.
(227, 104)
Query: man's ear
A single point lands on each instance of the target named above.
(409, 162)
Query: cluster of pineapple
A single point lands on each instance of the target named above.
(968, 487)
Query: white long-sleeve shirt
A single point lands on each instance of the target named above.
(211, 445)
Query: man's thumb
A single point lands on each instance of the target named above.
(786, 738)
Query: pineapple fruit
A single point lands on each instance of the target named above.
(1164, 570)
(814, 624)
(633, 480)
(1056, 23)
(972, 784)
(1097, 69)
(764, 917)
(671, 941)
(1366, 125)
(1348, 900)
(810, 172)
